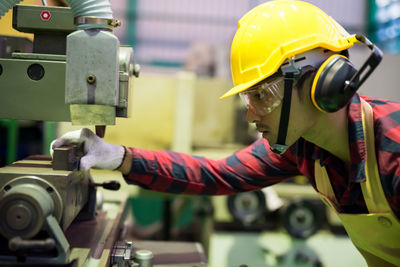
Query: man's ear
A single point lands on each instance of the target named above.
(306, 72)
(304, 82)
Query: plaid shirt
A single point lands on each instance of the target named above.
(256, 166)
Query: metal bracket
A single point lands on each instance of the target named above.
(104, 23)
(291, 71)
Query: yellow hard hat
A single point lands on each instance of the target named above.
(278, 30)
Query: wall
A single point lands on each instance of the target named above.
(152, 103)
(384, 81)
(165, 30)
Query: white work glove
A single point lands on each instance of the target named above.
(97, 153)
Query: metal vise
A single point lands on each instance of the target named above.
(38, 203)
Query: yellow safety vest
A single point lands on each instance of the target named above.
(376, 234)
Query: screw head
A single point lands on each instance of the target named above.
(45, 15)
(91, 78)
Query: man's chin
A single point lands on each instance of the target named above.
(271, 140)
(267, 135)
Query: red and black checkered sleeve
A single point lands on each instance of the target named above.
(249, 169)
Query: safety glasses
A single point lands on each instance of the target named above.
(263, 98)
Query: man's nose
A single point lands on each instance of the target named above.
(252, 116)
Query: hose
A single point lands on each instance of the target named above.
(88, 8)
(91, 8)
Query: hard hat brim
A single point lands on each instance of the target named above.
(240, 88)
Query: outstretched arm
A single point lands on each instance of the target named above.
(249, 169)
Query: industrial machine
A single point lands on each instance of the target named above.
(51, 214)
(79, 75)
(76, 72)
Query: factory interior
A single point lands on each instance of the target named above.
(174, 64)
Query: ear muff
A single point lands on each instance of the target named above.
(337, 80)
(328, 89)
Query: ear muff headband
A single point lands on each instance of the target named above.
(337, 79)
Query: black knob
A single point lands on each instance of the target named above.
(110, 185)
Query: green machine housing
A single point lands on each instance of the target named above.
(41, 197)
(35, 86)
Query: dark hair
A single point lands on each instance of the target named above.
(305, 72)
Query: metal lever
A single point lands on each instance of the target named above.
(110, 185)
(17, 243)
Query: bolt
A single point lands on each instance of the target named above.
(115, 23)
(91, 78)
(134, 69)
(385, 221)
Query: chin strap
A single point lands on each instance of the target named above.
(290, 74)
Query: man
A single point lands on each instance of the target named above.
(289, 65)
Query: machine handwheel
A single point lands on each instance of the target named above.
(247, 207)
(302, 218)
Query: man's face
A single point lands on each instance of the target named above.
(267, 123)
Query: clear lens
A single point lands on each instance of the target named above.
(263, 98)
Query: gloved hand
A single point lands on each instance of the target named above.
(98, 153)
